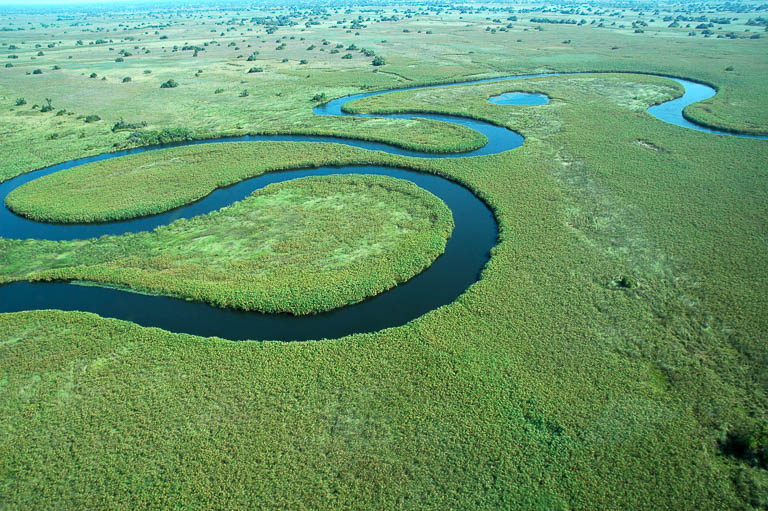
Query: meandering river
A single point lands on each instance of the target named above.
(467, 251)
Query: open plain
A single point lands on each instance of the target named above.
(596, 338)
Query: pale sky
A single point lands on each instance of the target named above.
(104, 3)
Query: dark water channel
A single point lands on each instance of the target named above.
(466, 253)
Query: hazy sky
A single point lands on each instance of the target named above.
(105, 3)
(60, 2)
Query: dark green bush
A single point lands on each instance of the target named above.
(749, 444)
(122, 125)
(155, 137)
(626, 282)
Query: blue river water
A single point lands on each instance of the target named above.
(467, 251)
(519, 98)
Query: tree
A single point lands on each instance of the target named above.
(378, 61)
(126, 79)
(21, 101)
(170, 84)
(320, 97)
(48, 106)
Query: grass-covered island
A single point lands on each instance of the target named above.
(302, 246)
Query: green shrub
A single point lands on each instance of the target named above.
(155, 137)
(749, 444)
(170, 84)
(122, 125)
(92, 118)
(626, 282)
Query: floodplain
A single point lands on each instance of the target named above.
(607, 352)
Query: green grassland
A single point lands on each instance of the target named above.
(550, 384)
(458, 48)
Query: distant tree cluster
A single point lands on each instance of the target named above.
(555, 21)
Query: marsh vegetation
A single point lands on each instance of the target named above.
(611, 355)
